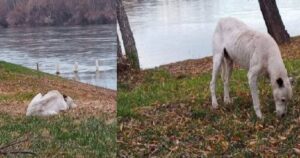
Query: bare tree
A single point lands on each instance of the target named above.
(127, 36)
(273, 21)
(119, 49)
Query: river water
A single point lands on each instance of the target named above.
(63, 46)
(173, 30)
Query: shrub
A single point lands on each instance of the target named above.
(56, 12)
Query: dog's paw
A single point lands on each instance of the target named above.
(227, 100)
(259, 115)
(215, 105)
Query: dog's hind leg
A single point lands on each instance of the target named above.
(217, 61)
(227, 68)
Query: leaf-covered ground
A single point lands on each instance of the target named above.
(165, 112)
(88, 130)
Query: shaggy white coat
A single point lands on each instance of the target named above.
(50, 104)
(235, 42)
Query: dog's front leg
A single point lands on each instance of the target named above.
(252, 79)
(217, 61)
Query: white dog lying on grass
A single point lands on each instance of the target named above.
(50, 104)
(234, 41)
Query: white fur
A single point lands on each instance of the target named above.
(254, 51)
(50, 104)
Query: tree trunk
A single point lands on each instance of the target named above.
(119, 49)
(127, 36)
(273, 21)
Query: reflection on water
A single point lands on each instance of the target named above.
(172, 30)
(49, 46)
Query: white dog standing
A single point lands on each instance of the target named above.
(50, 104)
(234, 41)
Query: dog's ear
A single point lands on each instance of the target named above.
(280, 83)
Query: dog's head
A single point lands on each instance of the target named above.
(282, 95)
(69, 102)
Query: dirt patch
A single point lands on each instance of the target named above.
(189, 67)
(127, 75)
(291, 50)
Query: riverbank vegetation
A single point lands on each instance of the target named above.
(56, 12)
(166, 112)
(86, 131)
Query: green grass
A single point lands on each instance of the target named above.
(17, 69)
(15, 72)
(180, 108)
(61, 135)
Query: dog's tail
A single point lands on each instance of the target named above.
(226, 58)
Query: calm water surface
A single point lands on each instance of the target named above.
(172, 30)
(50, 46)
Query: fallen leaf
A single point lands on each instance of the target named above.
(282, 137)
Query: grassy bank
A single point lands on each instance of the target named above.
(89, 130)
(166, 112)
